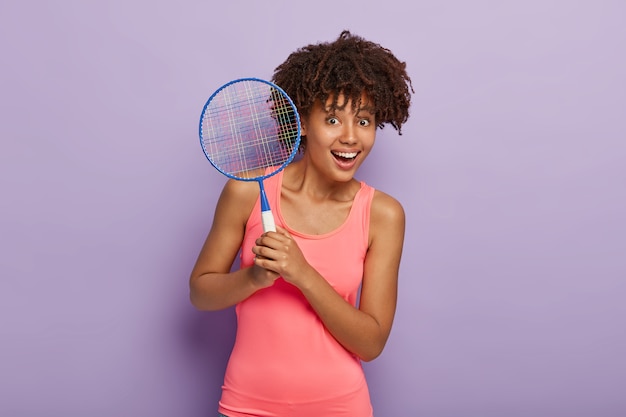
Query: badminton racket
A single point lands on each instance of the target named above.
(249, 131)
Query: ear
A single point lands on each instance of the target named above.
(302, 126)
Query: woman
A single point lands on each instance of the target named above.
(301, 333)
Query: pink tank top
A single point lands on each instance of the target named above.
(284, 362)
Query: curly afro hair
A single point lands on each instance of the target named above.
(350, 66)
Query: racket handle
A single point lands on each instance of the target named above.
(268, 221)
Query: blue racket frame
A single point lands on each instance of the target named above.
(267, 217)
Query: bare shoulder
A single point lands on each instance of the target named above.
(386, 209)
(237, 200)
(387, 218)
(241, 190)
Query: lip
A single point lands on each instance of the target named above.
(345, 164)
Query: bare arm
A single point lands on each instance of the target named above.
(363, 331)
(212, 285)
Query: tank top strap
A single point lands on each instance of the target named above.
(359, 217)
(272, 187)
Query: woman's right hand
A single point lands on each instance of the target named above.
(263, 278)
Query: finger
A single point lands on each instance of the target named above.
(283, 231)
(264, 252)
(270, 241)
(256, 251)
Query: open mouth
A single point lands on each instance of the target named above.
(345, 156)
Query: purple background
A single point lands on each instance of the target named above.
(511, 170)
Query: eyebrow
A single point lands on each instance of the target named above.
(369, 109)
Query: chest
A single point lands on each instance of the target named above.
(313, 217)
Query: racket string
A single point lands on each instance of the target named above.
(246, 128)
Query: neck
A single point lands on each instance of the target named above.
(303, 177)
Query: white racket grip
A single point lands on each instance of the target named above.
(267, 218)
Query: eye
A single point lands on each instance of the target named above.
(364, 122)
(332, 120)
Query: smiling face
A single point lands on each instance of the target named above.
(338, 140)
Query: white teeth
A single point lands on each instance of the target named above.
(347, 155)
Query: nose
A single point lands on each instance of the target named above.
(348, 135)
